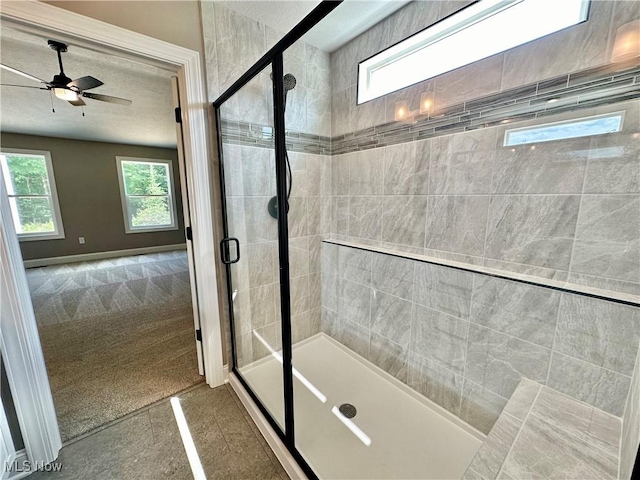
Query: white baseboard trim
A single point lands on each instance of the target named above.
(225, 373)
(85, 257)
(282, 454)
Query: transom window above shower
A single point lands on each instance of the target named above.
(575, 128)
(478, 31)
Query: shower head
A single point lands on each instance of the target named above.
(289, 82)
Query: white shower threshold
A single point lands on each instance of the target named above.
(396, 433)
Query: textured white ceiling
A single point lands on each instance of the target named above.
(347, 21)
(148, 121)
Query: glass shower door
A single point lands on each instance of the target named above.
(250, 247)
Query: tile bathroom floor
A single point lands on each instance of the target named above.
(147, 444)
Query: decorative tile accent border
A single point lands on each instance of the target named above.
(590, 88)
(586, 89)
(256, 135)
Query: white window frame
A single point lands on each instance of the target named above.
(58, 233)
(510, 133)
(444, 46)
(128, 228)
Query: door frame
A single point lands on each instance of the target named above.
(25, 363)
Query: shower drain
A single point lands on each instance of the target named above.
(348, 410)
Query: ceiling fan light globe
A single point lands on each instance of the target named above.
(65, 94)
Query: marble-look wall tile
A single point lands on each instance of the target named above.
(355, 265)
(614, 163)
(494, 449)
(389, 356)
(297, 217)
(439, 337)
(366, 172)
(258, 224)
(318, 69)
(435, 382)
(239, 39)
(457, 223)
(259, 262)
(462, 163)
(604, 389)
(471, 81)
(341, 112)
(631, 426)
(315, 291)
(340, 174)
(355, 302)
(365, 219)
(368, 114)
(354, 336)
(318, 215)
(299, 294)
(522, 399)
(534, 230)
(318, 112)
(403, 220)
(443, 289)
(549, 167)
(498, 362)
(576, 48)
(524, 311)
(603, 333)
(565, 456)
(607, 243)
(391, 317)
(406, 168)
(413, 18)
(585, 422)
(393, 275)
(298, 257)
(480, 407)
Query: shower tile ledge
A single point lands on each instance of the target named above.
(619, 297)
(542, 433)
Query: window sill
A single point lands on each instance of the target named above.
(37, 238)
(150, 230)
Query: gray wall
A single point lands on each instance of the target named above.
(555, 210)
(465, 339)
(576, 48)
(89, 194)
(631, 426)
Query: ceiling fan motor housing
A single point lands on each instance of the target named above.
(60, 81)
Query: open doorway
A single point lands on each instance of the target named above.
(97, 204)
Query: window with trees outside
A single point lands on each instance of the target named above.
(146, 188)
(31, 187)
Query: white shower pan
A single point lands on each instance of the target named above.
(396, 433)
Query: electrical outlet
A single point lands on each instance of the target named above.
(81, 240)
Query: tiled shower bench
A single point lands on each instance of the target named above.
(544, 434)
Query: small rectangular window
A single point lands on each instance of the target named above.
(146, 188)
(478, 31)
(31, 187)
(577, 127)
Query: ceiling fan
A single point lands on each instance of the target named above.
(73, 91)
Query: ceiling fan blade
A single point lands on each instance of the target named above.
(77, 103)
(107, 98)
(85, 83)
(21, 86)
(23, 74)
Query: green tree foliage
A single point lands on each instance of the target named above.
(147, 184)
(28, 176)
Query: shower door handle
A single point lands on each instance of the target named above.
(224, 250)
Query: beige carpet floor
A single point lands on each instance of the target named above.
(117, 335)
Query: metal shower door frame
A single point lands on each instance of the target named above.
(273, 57)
